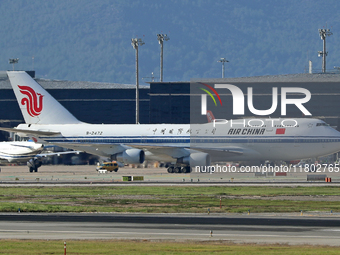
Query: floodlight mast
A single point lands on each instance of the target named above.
(135, 42)
(13, 61)
(161, 38)
(223, 60)
(323, 33)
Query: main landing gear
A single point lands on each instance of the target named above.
(179, 169)
(33, 164)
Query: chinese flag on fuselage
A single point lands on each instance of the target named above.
(280, 131)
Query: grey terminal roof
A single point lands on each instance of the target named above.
(304, 77)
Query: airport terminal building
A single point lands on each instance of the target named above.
(169, 102)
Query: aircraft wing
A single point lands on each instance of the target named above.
(166, 150)
(30, 132)
(56, 153)
(24, 146)
(226, 150)
(178, 152)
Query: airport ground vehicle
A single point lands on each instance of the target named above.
(109, 166)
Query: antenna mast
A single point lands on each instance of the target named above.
(323, 33)
(222, 60)
(135, 42)
(161, 38)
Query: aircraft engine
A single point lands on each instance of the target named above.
(130, 156)
(197, 159)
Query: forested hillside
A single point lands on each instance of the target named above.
(91, 40)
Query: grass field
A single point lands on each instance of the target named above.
(37, 247)
(168, 199)
(156, 199)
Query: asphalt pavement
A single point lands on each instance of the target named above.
(261, 229)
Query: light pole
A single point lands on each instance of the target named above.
(135, 42)
(13, 61)
(323, 33)
(223, 60)
(161, 38)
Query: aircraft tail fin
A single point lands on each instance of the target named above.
(210, 116)
(36, 104)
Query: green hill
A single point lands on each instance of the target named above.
(91, 40)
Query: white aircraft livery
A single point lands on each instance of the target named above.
(21, 151)
(184, 145)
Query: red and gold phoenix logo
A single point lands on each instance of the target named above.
(33, 101)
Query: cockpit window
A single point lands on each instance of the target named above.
(321, 124)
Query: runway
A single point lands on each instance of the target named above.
(239, 228)
(178, 227)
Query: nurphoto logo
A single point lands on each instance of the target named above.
(239, 98)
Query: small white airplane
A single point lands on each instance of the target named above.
(184, 145)
(19, 151)
(22, 151)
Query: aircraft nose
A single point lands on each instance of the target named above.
(39, 146)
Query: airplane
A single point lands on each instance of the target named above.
(21, 151)
(184, 145)
(210, 116)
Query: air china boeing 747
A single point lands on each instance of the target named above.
(184, 145)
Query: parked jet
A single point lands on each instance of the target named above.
(184, 145)
(19, 151)
(14, 152)
(210, 116)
